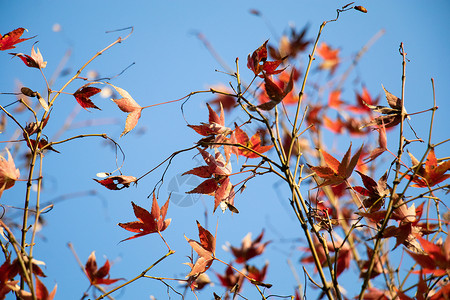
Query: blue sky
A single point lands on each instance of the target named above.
(171, 62)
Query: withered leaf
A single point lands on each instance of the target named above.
(205, 249)
(117, 182)
(129, 105)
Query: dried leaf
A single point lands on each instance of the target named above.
(205, 250)
(129, 105)
(34, 61)
(117, 182)
(8, 172)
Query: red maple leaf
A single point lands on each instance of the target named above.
(257, 62)
(117, 182)
(249, 248)
(205, 249)
(83, 94)
(290, 46)
(391, 116)
(443, 292)
(256, 274)
(41, 145)
(375, 294)
(8, 271)
(433, 172)
(276, 93)
(258, 56)
(435, 259)
(129, 105)
(282, 81)
(231, 279)
(33, 127)
(330, 57)
(254, 143)
(342, 260)
(33, 61)
(336, 172)
(8, 40)
(219, 185)
(374, 191)
(382, 144)
(215, 126)
(409, 225)
(361, 102)
(378, 267)
(41, 292)
(97, 276)
(148, 222)
(313, 118)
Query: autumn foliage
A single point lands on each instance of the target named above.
(357, 211)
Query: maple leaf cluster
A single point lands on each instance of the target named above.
(218, 167)
(342, 258)
(330, 209)
(9, 270)
(233, 279)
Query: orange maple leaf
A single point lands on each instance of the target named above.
(330, 56)
(253, 143)
(336, 172)
(435, 259)
(8, 172)
(205, 249)
(129, 105)
(432, 174)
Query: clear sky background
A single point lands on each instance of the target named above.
(171, 62)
